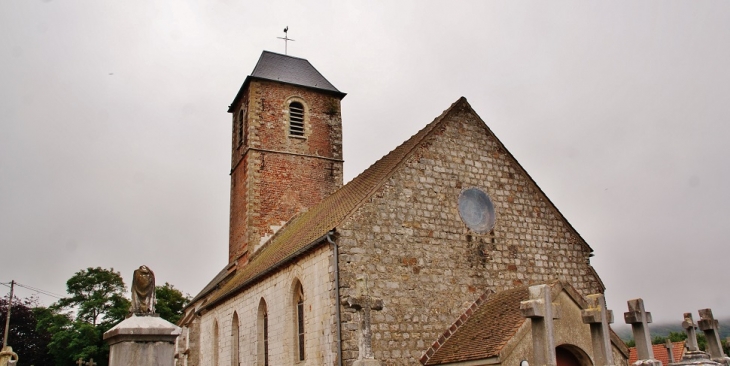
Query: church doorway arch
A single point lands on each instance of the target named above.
(570, 355)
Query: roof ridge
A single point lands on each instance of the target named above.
(374, 188)
(284, 54)
(426, 132)
(360, 189)
(539, 189)
(477, 309)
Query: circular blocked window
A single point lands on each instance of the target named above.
(476, 210)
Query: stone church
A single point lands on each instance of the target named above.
(426, 257)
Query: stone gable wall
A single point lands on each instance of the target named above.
(423, 261)
(315, 272)
(274, 176)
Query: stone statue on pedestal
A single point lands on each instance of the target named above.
(143, 338)
(143, 292)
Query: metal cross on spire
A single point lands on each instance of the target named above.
(286, 39)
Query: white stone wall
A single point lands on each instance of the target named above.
(316, 273)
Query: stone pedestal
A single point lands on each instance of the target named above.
(142, 341)
(695, 358)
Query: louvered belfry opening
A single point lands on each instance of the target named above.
(296, 119)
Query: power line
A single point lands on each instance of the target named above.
(37, 290)
(43, 292)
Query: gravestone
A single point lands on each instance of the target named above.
(143, 339)
(639, 320)
(690, 329)
(693, 356)
(363, 303)
(711, 327)
(599, 319)
(541, 311)
(670, 350)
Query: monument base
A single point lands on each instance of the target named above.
(651, 362)
(142, 340)
(695, 358)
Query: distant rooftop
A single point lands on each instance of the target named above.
(660, 352)
(290, 70)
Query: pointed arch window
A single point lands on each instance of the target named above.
(299, 320)
(296, 119)
(263, 335)
(235, 340)
(216, 343)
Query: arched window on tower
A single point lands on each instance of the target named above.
(296, 119)
(262, 346)
(298, 302)
(235, 340)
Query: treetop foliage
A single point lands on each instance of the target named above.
(170, 302)
(23, 335)
(97, 294)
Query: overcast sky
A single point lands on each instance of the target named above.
(115, 141)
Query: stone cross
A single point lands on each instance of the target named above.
(689, 327)
(599, 318)
(91, 362)
(364, 303)
(80, 362)
(541, 311)
(670, 351)
(710, 326)
(639, 319)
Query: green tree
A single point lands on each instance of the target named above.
(98, 296)
(673, 336)
(170, 302)
(78, 322)
(30, 343)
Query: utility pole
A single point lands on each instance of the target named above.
(7, 319)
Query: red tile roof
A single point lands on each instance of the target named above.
(482, 331)
(660, 353)
(485, 328)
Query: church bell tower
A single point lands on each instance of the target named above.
(286, 153)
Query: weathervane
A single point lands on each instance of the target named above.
(285, 38)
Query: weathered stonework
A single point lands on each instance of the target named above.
(274, 175)
(397, 225)
(423, 261)
(315, 272)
